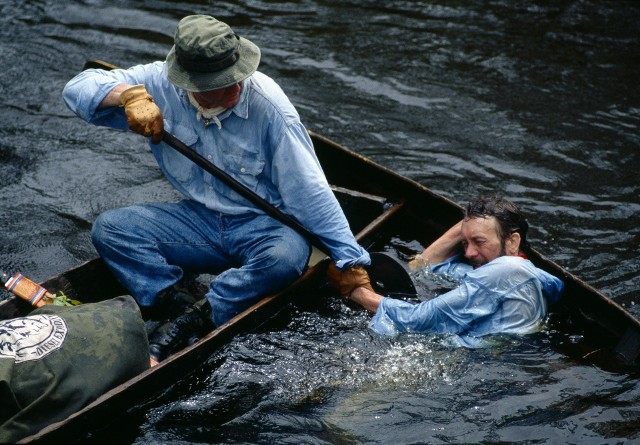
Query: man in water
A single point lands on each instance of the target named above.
(209, 94)
(499, 290)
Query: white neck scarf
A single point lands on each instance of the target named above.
(206, 114)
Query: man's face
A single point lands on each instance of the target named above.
(225, 97)
(480, 240)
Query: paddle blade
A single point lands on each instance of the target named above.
(98, 64)
(389, 276)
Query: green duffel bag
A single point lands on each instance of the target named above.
(59, 359)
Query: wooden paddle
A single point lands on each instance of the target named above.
(384, 268)
(389, 277)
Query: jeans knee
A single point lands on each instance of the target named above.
(291, 260)
(106, 228)
(98, 233)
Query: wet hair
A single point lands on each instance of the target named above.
(509, 218)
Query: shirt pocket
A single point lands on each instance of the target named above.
(177, 165)
(244, 166)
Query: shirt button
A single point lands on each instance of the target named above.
(209, 156)
(242, 170)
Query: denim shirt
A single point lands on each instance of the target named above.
(261, 143)
(506, 295)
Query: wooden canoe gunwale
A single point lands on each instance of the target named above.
(398, 198)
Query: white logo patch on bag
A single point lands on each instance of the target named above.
(31, 338)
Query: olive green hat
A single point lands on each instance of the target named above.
(207, 55)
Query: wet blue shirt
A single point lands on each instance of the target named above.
(506, 295)
(261, 143)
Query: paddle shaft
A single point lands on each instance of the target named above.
(386, 272)
(239, 188)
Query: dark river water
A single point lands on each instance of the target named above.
(536, 100)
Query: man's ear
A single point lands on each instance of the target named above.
(512, 246)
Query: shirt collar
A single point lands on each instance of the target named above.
(241, 109)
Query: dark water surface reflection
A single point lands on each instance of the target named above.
(537, 100)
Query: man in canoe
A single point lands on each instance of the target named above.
(209, 95)
(499, 290)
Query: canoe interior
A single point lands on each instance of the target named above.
(379, 205)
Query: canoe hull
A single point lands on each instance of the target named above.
(378, 203)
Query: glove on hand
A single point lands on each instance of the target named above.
(143, 115)
(349, 279)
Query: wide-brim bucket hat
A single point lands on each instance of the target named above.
(207, 55)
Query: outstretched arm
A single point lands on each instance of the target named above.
(366, 298)
(448, 245)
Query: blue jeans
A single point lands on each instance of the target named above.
(149, 247)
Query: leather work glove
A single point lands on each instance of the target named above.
(349, 279)
(143, 115)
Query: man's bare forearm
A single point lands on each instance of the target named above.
(113, 98)
(365, 298)
(448, 245)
